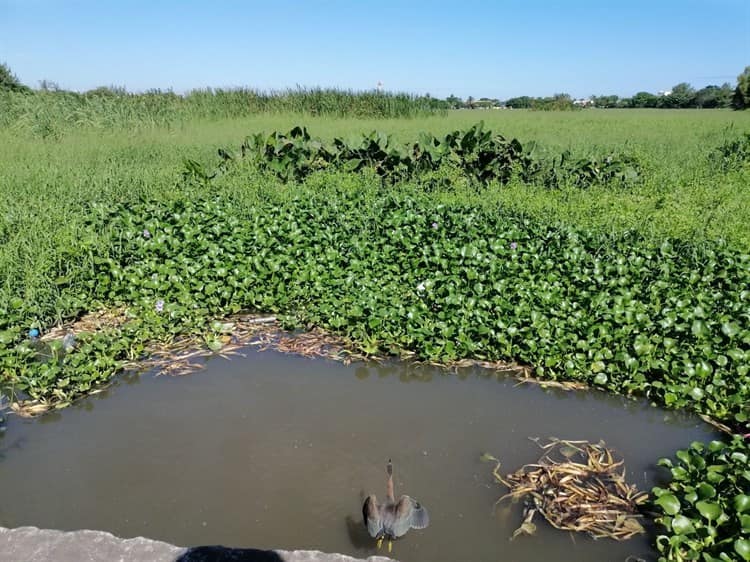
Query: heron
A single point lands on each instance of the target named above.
(392, 519)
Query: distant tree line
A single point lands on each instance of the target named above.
(681, 96)
(558, 102)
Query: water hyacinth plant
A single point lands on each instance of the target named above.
(705, 509)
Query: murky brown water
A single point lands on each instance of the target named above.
(279, 451)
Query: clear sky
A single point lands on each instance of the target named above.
(479, 48)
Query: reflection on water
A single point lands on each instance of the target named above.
(280, 451)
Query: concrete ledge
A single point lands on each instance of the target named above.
(30, 544)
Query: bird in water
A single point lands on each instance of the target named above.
(392, 519)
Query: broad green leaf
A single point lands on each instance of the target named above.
(669, 503)
(700, 328)
(681, 525)
(706, 491)
(742, 547)
(741, 503)
(709, 510)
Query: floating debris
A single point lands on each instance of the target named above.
(576, 486)
(90, 322)
(235, 333)
(717, 424)
(229, 336)
(30, 408)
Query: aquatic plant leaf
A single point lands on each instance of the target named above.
(706, 491)
(741, 503)
(742, 547)
(681, 525)
(669, 503)
(709, 510)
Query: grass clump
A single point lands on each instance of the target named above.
(733, 154)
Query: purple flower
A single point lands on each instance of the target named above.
(159, 306)
(434, 226)
(513, 245)
(146, 233)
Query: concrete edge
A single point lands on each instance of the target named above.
(32, 544)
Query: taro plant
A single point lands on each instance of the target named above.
(584, 172)
(479, 154)
(290, 156)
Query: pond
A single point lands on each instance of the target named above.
(279, 451)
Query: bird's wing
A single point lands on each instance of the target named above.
(371, 514)
(409, 514)
(419, 516)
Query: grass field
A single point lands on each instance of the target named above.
(637, 288)
(49, 184)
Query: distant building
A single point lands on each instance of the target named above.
(663, 93)
(583, 102)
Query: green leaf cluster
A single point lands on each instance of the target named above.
(481, 155)
(705, 510)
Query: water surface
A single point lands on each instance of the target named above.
(278, 451)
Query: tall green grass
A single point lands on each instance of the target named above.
(49, 114)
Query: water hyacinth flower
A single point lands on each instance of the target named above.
(159, 307)
(513, 245)
(146, 233)
(434, 226)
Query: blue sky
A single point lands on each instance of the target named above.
(479, 48)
